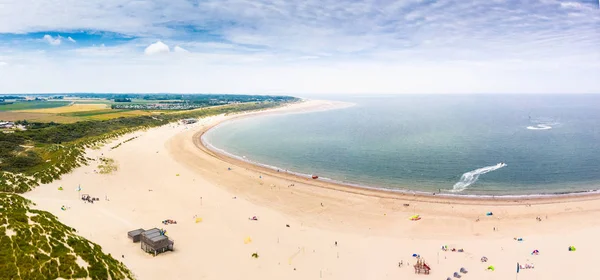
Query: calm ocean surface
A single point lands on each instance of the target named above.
(461, 144)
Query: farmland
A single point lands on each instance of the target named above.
(107, 114)
(33, 105)
(68, 109)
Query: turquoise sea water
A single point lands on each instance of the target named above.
(461, 144)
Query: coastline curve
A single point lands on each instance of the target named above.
(406, 194)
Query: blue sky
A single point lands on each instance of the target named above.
(295, 47)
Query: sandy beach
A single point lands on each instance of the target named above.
(306, 229)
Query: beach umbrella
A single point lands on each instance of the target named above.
(247, 240)
(491, 267)
(198, 220)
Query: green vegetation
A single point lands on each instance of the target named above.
(93, 113)
(35, 245)
(122, 100)
(34, 104)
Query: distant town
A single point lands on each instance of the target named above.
(74, 107)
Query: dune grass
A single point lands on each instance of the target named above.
(35, 245)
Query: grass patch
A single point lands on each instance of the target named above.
(120, 114)
(107, 166)
(119, 145)
(35, 245)
(32, 105)
(92, 113)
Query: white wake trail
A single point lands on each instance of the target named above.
(471, 177)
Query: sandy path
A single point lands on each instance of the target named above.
(371, 228)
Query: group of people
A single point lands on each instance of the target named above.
(87, 198)
(169, 222)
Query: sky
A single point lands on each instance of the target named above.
(295, 47)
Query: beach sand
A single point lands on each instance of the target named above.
(165, 173)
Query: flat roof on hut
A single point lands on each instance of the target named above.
(135, 234)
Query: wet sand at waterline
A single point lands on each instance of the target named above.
(165, 173)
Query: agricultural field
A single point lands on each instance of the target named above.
(36, 117)
(121, 114)
(33, 105)
(70, 114)
(107, 114)
(69, 109)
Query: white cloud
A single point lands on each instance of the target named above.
(157, 48)
(71, 40)
(3, 63)
(102, 50)
(51, 40)
(179, 49)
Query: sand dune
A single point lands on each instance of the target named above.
(371, 228)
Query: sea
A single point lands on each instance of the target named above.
(475, 145)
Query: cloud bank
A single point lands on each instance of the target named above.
(325, 46)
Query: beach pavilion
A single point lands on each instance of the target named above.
(152, 240)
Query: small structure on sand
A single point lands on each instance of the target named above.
(421, 267)
(155, 241)
(135, 235)
(151, 241)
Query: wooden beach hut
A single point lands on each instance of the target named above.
(135, 235)
(154, 241)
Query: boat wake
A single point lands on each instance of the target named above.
(539, 127)
(471, 177)
(542, 124)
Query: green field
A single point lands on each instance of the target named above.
(92, 113)
(30, 105)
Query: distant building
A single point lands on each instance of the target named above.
(189, 121)
(7, 124)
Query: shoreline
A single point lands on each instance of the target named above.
(356, 188)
